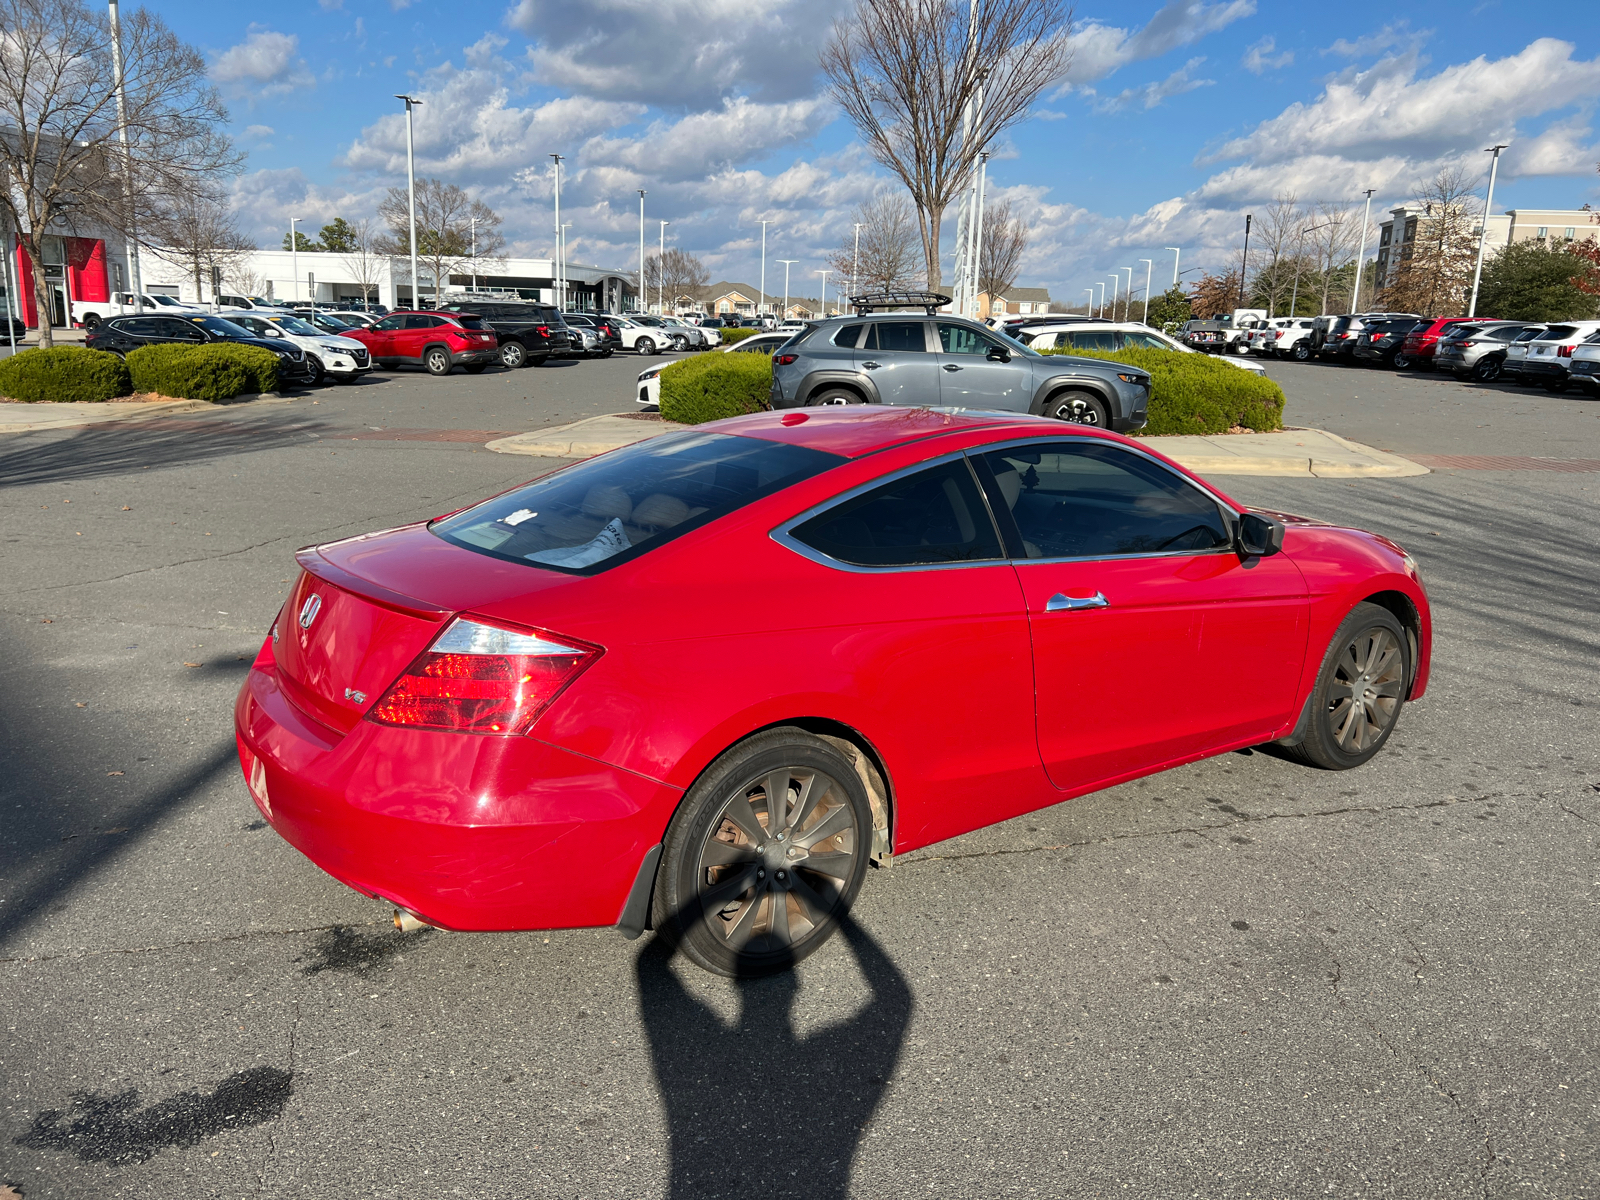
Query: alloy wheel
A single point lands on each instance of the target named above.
(775, 865)
(1367, 687)
(1079, 408)
(438, 362)
(513, 355)
(1488, 369)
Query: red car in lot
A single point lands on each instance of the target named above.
(700, 682)
(438, 342)
(1421, 342)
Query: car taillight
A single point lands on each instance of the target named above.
(1465, 345)
(543, 331)
(1563, 351)
(783, 360)
(482, 678)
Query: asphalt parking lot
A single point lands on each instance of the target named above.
(1241, 978)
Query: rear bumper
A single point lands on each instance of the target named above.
(469, 832)
(487, 354)
(1544, 370)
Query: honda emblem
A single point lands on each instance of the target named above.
(309, 610)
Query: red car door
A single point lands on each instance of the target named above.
(379, 338)
(420, 329)
(1152, 640)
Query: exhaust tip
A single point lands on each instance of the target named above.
(407, 921)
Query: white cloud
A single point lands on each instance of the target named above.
(1259, 58)
(259, 131)
(703, 143)
(1562, 147)
(266, 63)
(1098, 49)
(1148, 95)
(677, 55)
(1390, 37)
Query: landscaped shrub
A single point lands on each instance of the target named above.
(64, 374)
(712, 386)
(729, 336)
(1196, 393)
(214, 372)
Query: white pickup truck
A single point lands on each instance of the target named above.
(89, 313)
(1224, 334)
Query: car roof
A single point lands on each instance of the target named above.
(856, 430)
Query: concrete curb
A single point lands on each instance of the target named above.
(28, 418)
(582, 439)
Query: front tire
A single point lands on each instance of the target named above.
(319, 373)
(765, 855)
(644, 347)
(1360, 690)
(1080, 408)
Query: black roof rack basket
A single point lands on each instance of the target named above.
(930, 302)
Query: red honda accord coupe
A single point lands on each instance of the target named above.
(701, 682)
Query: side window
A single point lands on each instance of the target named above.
(1143, 341)
(934, 516)
(390, 324)
(138, 327)
(903, 336)
(963, 339)
(1085, 500)
(847, 337)
(421, 322)
(1098, 339)
(169, 328)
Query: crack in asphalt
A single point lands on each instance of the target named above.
(213, 941)
(1202, 830)
(1419, 1068)
(272, 1137)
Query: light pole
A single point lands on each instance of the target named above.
(411, 199)
(1088, 305)
(1176, 255)
(1101, 307)
(1244, 262)
(1483, 234)
(564, 289)
(1149, 266)
(131, 244)
(1116, 280)
(762, 303)
(855, 266)
(555, 267)
(1361, 249)
(661, 271)
(977, 234)
(474, 253)
(1299, 261)
(640, 299)
(1127, 295)
(824, 275)
(294, 256)
(787, 263)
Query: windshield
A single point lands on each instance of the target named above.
(331, 324)
(167, 300)
(294, 325)
(222, 328)
(619, 505)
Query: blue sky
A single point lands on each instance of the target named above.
(1174, 120)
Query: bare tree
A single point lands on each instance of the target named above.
(679, 274)
(1214, 296)
(1005, 238)
(1333, 243)
(889, 247)
(199, 233)
(904, 70)
(1436, 264)
(59, 153)
(445, 216)
(1273, 251)
(247, 281)
(362, 259)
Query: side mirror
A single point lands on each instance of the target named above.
(998, 354)
(1258, 536)
(274, 331)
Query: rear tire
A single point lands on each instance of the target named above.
(1079, 408)
(1402, 361)
(513, 355)
(1301, 352)
(436, 360)
(1359, 692)
(1487, 369)
(734, 891)
(833, 396)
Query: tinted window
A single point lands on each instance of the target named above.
(614, 507)
(1144, 341)
(422, 322)
(1100, 339)
(138, 326)
(934, 516)
(1556, 332)
(905, 336)
(467, 322)
(963, 339)
(847, 336)
(169, 327)
(389, 324)
(1081, 500)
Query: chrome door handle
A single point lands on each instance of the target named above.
(871, 366)
(1060, 603)
(951, 367)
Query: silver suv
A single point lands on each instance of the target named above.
(929, 359)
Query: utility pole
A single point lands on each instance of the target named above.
(1244, 263)
(1483, 234)
(1361, 249)
(640, 299)
(977, 233)
(131, 236)
(565, 290)
(1149, 266)
(661, 271)
(855, 265)
(787, 263)
(1127, 295)
(411, 200)
(1176, 255)
(762, 302)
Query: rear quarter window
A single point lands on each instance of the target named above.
(467, 322)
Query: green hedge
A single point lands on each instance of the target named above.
(63, 375)
(712, 386)
(1198, 393)
(729, 336)
(213, 372)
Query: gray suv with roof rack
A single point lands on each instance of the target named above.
(891, 353)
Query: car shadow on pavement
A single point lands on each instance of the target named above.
(123, 447)
(756, 1108)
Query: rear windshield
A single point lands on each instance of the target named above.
(615, 507)
(467, 322)
(1556, 332)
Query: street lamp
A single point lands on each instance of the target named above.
(1361, 249)
(1115, 281)
(1101, 307)
(1127, 294)
(1149, 266)
(1088, 305)
(566, 226)
(555, 266)
(411, 199)
(1244, 262)
(474, 221)
(762, 303)
(1483, 234)
(977, 232)
(1299, 261)
(639, 300)
(824, 275)
(855, 265)
(294, 256)
(787, 263)
(661, 271)
(1176, 255)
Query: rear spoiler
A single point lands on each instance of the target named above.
(315, 564)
